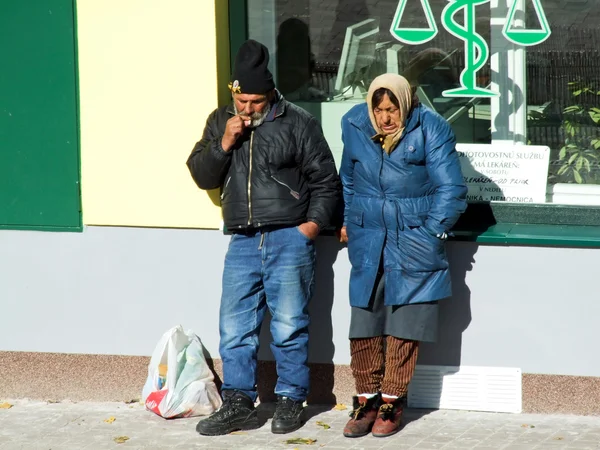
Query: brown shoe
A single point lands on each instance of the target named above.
(389, 417)
(363, 416)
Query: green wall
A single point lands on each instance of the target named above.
(39, 143)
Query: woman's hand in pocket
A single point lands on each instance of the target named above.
(342, 235)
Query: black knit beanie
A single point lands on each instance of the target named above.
(250, 72)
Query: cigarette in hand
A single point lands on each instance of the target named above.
(246, 119)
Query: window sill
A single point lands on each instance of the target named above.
(533, 235)
(481, 216)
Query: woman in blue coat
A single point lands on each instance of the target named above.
(403, 192)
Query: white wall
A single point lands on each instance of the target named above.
(116, 290)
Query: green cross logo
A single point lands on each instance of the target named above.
(476, 49)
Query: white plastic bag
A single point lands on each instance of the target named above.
(184, 385)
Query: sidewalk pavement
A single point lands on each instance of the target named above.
(98, 426)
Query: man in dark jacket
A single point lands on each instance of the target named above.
(279, 188)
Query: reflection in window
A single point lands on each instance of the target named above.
(563, 90)
(330, 51)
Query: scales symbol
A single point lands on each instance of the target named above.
(476, 49)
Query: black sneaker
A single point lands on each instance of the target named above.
(236, 413)
(288, 415)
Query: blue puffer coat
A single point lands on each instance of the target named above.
(397, 204)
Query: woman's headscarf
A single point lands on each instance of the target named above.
(400, 87)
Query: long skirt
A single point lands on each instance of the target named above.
(417, 322)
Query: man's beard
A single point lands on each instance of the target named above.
(256, 119)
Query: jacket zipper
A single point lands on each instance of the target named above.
(225, 187)
(294, 193)
(250, 181)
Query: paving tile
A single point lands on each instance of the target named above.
(70, 426)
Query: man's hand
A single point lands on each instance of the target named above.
(342, 235)
(309, 229)
(233, 130)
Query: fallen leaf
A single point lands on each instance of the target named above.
(121, 439)
(238, 432)
(301, 441)
(324, 425)
(340, 407)
(558, 438)
(5, 405)
(110, 419)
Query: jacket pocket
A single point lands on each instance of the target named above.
(293, 193)
(225, 187)
(413, 154)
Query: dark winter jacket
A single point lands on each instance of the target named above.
(281, 173)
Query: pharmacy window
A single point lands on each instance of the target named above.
(518, 80)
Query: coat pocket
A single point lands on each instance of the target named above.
(358, 239)
(355, 217)
(414, 154)
(413, 220)
(420, 251)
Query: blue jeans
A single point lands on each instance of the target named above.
(273, 269)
